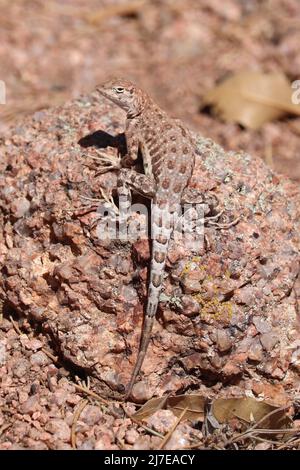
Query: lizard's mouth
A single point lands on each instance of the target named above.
(101, 91)
(115, 100)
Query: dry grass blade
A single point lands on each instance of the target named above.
(81, 406)
(258, 433)
(105, 405)
(50, 355)
(194, 405)
(15, 325)
(91, 394)
(151, 431)
(169, 434)
(290, 443)
(190, 406)
(101, 400)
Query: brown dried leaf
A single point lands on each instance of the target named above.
(252, 98)
(150, 407)
(193, 404)
(250, 411)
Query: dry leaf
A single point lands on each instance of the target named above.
(193, 404)
(251, 411)
(223, 410)
(150, 407)
(252, 98)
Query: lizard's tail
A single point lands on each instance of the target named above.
(161, 237)
(146, 335)
(155, 284)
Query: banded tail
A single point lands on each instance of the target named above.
(162, 228)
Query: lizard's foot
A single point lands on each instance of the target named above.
(106, 203)
(106, 199)
(209, 203)
(210, 218)
(225, 226)
(106, 162)
(193, 196)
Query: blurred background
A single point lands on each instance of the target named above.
(178, 50)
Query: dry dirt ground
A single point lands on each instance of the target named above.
(177, 50)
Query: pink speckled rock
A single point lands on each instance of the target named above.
(228, 311)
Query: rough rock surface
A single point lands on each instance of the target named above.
(228, 323)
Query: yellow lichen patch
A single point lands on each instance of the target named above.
(191, 264)
(213, 308)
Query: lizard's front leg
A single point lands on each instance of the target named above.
(138, 182)
(132, 143)
(110, 162)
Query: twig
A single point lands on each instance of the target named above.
(124, 9)
(261, 439)
(92, 394)
(54, 358)
(15, 325)
(289, 443)
(151, 431)
(169, 434)
(81, 406)
(223, 226)
(276, 431)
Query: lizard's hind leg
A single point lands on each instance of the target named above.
(130, 180)
(193, 196)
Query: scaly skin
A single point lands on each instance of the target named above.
(168, 157)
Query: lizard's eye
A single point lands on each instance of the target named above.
(119, 89)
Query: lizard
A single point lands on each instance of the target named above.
(168, 154)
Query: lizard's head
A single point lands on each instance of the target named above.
(125, 94)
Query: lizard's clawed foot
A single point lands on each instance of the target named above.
(220, 226)
(105, 199)
(106, 162)
(106, 202)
